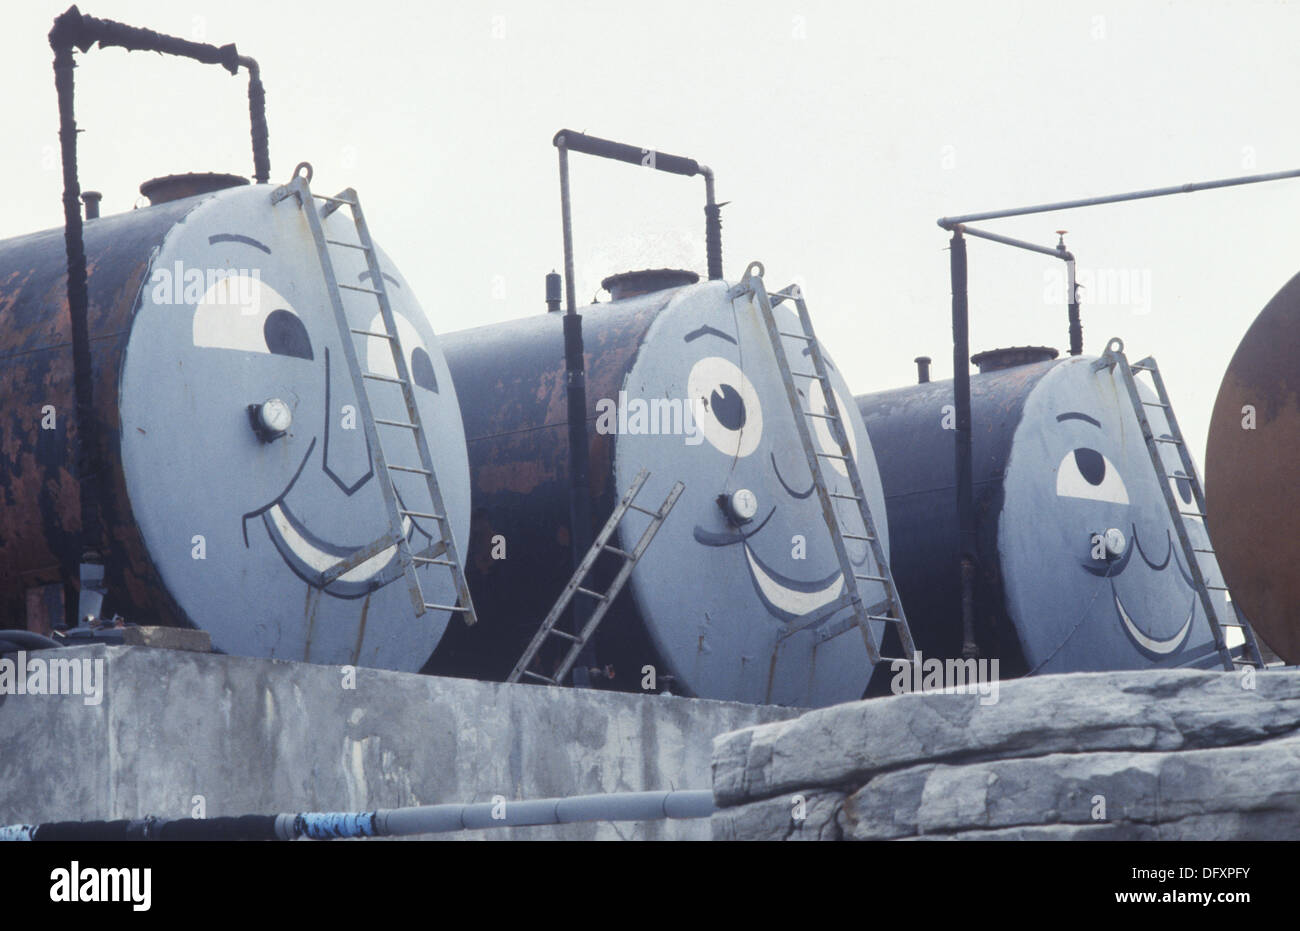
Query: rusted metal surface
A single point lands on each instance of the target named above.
(38, 482)
(510, 379)
(1252, 496)
(917, 468)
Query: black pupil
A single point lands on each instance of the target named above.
(728, 407)
(285, 335)
(422, 370)
(1185, 489)
(1092, 466)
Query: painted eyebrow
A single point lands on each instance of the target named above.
(366, 274)
(235, 237)
(1075, 415)
(707, 330)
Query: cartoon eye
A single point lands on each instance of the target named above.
(1182, 486)
(1086, 473)
(822, 427)
(726, 406)
(244, 313)
(285, 335)
(422, 369)
(379, 356)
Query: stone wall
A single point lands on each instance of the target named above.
(1162, 755)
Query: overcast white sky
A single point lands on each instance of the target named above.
(839, 130)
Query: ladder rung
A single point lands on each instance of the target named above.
(822, 416)
(806, 339)
(833, 456)
(836, 494)
(352, 287)
(430, 561)
(398, 468)
(373, 333)
(435, 607)
(1192, 514)
(554, 632)
(637, 507)
(871, 578)
(335, 200)
(597, 595)
(813, 375)
(1154, 404)
(1217, 588)
(884, 617)
(420, 513)
(388, 378)
(854, 536)
(618, 552)
(397, 423)
(1197, 549)
(1161, 439)
(538, 675)
(350, 245)
(1141, 368)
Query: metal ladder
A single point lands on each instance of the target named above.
(604, 600)
(752, 284)
(1114, 357)
(442, 553)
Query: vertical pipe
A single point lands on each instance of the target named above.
(552, 293)
(91, 199)
(86, 444)
(1076, 326)
(922, 369)
(965, 482)
(576, 393)
(712, 226)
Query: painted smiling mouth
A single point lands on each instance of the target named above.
(788, 598)
(310, 557)
(1144, 641)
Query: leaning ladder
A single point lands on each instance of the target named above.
(1114, 357)
(605, 599)
(752, 284)
(442, 553)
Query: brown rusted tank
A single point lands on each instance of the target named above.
(1252, 497)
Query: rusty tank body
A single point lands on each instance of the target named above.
(1250, 473)
(202, 309)
(1059, 460)
(717, 607)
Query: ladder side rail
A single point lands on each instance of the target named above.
(571, 587)
(1180, 528)
(619, 581)
(840, 434)
(307, 201)
(757, 288)
(1253, 652)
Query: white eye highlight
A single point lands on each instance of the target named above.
(823, 432)
(1086, 473)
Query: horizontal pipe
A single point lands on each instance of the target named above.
(393, 822)
(1054, 252)
(622, 152)
(949, 222)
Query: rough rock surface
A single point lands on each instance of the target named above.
(1167, 754)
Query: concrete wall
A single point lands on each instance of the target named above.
(262, 736)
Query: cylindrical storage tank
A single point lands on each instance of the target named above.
(1250, 473)
(714, 606)
(200, 309)
(1058, 460)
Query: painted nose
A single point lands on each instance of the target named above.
(347, 456)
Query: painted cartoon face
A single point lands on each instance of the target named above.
(738, 588)
(1079, 470)
(248, 465)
